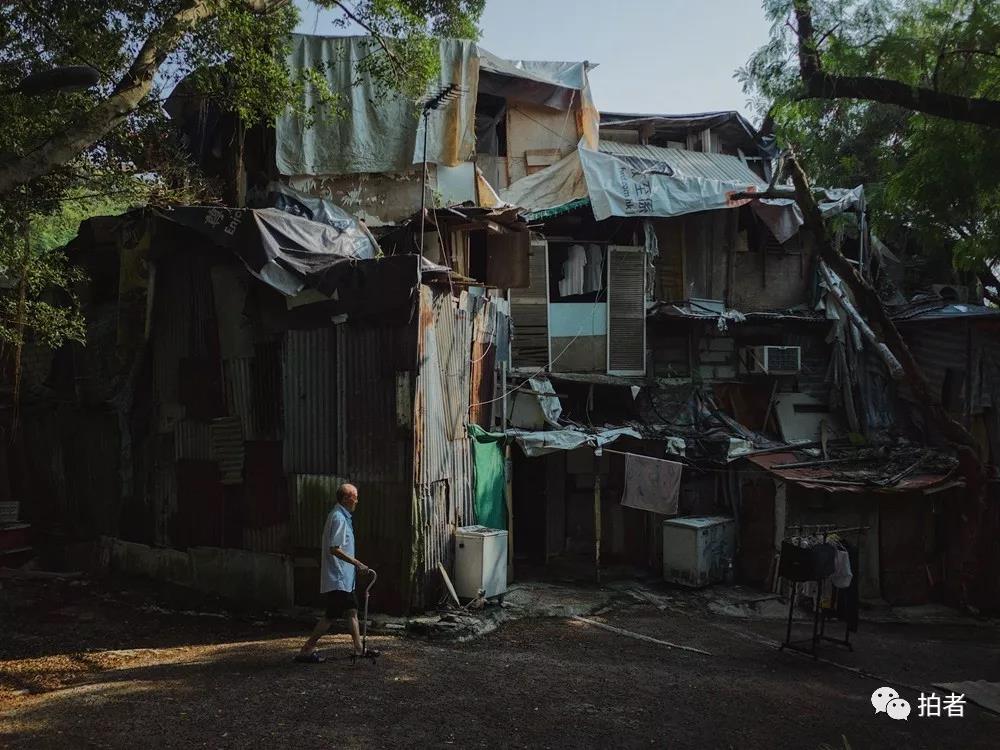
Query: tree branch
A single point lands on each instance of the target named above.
(128, 94)
(949, 106)
(871, 307)
(393, 57)
(821, 85)
(264, 6)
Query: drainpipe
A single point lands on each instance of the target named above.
(597, 514)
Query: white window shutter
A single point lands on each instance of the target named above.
(626, 310)
(529, 311)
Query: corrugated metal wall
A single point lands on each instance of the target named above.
(310, 391)
(251, 428)
(444, 472)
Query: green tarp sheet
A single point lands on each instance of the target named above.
(487, 455)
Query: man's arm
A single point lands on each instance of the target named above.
(338, 552)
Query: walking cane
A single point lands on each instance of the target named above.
(365, 653)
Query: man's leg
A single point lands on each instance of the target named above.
(352, 619)
(318, 632)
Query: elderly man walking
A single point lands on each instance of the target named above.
(338, 572)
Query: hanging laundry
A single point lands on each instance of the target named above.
(842, 575)
(593, 280)
(652, 484)
(572, 271)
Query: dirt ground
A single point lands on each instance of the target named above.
(87, 665)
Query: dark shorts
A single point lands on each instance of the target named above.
(339, 603)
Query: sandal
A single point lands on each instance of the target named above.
(310, 658)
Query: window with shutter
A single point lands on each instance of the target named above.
(529, 311)
(626, 310)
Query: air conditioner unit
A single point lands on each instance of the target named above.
(773, 360)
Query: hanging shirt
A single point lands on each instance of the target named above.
(337, 574)
(593, 278)
(572, 271)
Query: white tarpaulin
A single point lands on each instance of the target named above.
(380, 131)
(671, 184)
(541, 443)
(649, 181)
(554, 186)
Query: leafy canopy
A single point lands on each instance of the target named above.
(933, 183)
(234, 50)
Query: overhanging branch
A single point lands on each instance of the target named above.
(977, 111)
(65, 145)
(818, 84)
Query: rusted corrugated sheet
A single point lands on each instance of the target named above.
(488, 337)
(227, 448)
(373, 371)
(313, 496)
(310, 402)
(444, 472)
(939, 348)
(92, 460)
(193, 440)
(383, 526)
(267, 539)
(200, 518)
(435, 524)
(171, 337)
(432, 453)
(266, 488)
(163, 498)
(254, 391)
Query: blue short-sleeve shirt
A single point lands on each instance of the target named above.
(337, 574)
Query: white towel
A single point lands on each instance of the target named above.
(652, 484)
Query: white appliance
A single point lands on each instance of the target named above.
(773, 360)
(698, 551)
(480, 562)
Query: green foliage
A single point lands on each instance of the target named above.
(236, 56)
(933, 184)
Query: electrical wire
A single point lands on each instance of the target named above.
(593, 313)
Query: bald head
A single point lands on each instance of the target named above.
(347, 495)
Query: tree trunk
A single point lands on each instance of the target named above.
(868, 301)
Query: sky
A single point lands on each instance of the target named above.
(653, 56)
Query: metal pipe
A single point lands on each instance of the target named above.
(423, 183)
(597, 517)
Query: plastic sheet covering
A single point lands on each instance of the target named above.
(541, 443)
(381, 130)
(359, 240)
(649, 181)
(626, 186)
(292, 254)
(487, 453)
(554, 186)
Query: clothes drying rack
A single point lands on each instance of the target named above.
(809, 645)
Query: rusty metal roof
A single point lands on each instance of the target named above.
(684, 163)
(862, 476)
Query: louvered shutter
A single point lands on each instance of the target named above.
(626, 310)
(529, 311)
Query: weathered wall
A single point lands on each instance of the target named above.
(450, 330)
(770, 280)
(694, 262)
(534, 127)
(376, 199)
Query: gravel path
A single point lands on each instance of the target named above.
(534, 683)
